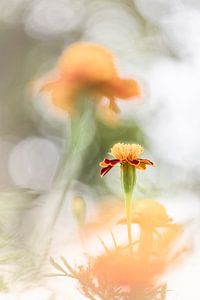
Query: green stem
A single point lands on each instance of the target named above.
(75, 149)
(82, 122)
(128, 175)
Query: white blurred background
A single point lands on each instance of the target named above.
(156, 41)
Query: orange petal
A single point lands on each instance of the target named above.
(61, 93)
(141, 166)
(103, 164)
(146, 161)
(122, 88)
(88, 61)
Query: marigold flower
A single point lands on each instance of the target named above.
(88, 67)
(124, 269)
(118, 273)
(125, 153)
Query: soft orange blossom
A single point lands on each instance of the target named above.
(87, 67)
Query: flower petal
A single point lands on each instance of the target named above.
(61, 93)
(90, 62)
(133, 162)
(109, 162)
(103, 164)
(105, 170)
(113, 162)
(143, 163)
(146, 161)
(121, 88)
(141, 166)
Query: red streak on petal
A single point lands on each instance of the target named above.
(105, 170)
(109, 162)
(113, 162)
(133, 162)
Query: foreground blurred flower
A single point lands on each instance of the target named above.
(134, 272)
(128, 157)
(90, 68)
(118, 274)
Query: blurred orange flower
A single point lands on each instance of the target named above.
(118, 273)
(158, 239)
(122, 268)
(125, 153)
(87, 67)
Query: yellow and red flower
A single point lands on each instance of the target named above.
(125, 154)
(87, 67)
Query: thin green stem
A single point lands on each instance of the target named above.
(76, 148)
(128, 175)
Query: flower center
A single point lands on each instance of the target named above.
(123, 151)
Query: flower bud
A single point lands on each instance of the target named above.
(78, 208)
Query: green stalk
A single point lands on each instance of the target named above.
(76, 148)
(80, 124)
(128, 175)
